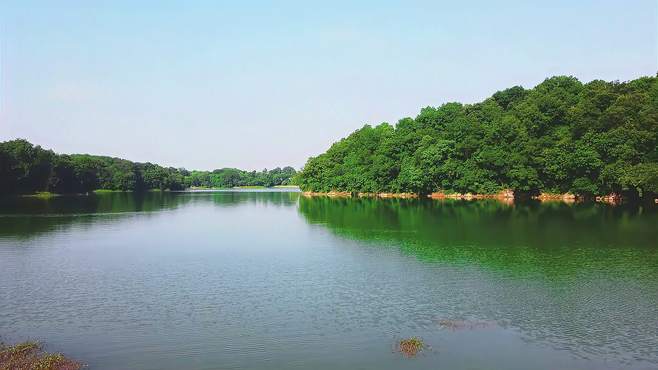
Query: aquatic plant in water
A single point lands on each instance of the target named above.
(410, 347)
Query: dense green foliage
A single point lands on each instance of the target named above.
(562, 136)
(25, 168)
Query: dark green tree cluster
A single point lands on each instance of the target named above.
(231, 177)
(561, 136)
(25, 169)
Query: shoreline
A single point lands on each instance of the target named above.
(347, 194)
(505, 196)
(48, 194)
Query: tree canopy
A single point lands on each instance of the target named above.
(561, 136)
(25, 168)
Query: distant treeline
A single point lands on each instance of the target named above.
(25, 169)
(561, 136)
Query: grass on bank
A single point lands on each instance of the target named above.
(30, 356)
(103, 191)
(48, 195)
(42, 195)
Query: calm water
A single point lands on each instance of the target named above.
(266, 280)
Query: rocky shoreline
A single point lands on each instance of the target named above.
(347, 194)
(556, 197)
(505, 196)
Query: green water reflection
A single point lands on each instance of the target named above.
(554, 237)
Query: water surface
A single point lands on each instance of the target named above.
(262, 280)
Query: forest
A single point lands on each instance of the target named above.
(562, 136)
(26, 169)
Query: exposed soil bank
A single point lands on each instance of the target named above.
(388, 195)
(332, 194)
(503, 195)
(347, 194)
(506, 196)
(556, 197)
(610, 199)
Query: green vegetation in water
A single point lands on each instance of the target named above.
(562, 136)
(410, 347)
(104, 191)
(206, 188)
(41, 195)
(29, 356)
(28, 169)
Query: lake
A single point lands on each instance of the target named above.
(276, 280)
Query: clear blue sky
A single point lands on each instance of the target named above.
(263, 84)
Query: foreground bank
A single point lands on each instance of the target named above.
(29, 355)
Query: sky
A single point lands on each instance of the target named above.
(259, 84)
